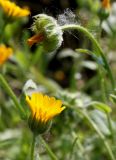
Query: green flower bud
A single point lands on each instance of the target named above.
(47, 32)
(38, 127)
(103, 13)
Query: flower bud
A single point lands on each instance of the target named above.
(104, 10)
(47, 32)
(38, 127)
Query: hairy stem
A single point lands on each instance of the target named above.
(9, 91)
(50, 152)
(32, 147)
(95, 44)
(94, 126)
(110, 126)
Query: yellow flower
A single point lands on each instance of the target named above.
(5, 53)
(11, 9)
(44, 108)
(106, 4)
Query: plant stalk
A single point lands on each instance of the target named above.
(110, 126)
(32, 147)
(95, 43)
(94, 126)
(9, 91)
(50, 152)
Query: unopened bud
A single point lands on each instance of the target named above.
(47, 32)
(104, 10)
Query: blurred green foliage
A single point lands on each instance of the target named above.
(68, 74)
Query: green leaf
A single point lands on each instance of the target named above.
(100, 120)
(97, 58)
(101, 106)
(8, 142)
(113, 98)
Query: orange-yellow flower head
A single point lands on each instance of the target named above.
(43, 109)
(12, 10)
(5, 53)
(106, 4)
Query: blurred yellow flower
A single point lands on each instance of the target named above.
(59, 75)
(44, 108)
(5, 53)
(106, 4)
(11, 9)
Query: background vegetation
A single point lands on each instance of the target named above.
(86, 129)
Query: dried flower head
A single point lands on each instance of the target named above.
(68, 17)
(43, 109)
(12, 10)
(5, 53)
(47, 32)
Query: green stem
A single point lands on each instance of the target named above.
(3, 29)
(50, 152)
(9, 91)
(102, 83)
(110, 126)
(104, 96)
(72, 148)
(80, 147)
(32, 147)
(101, 73)
(94, 126)
(95, 43)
